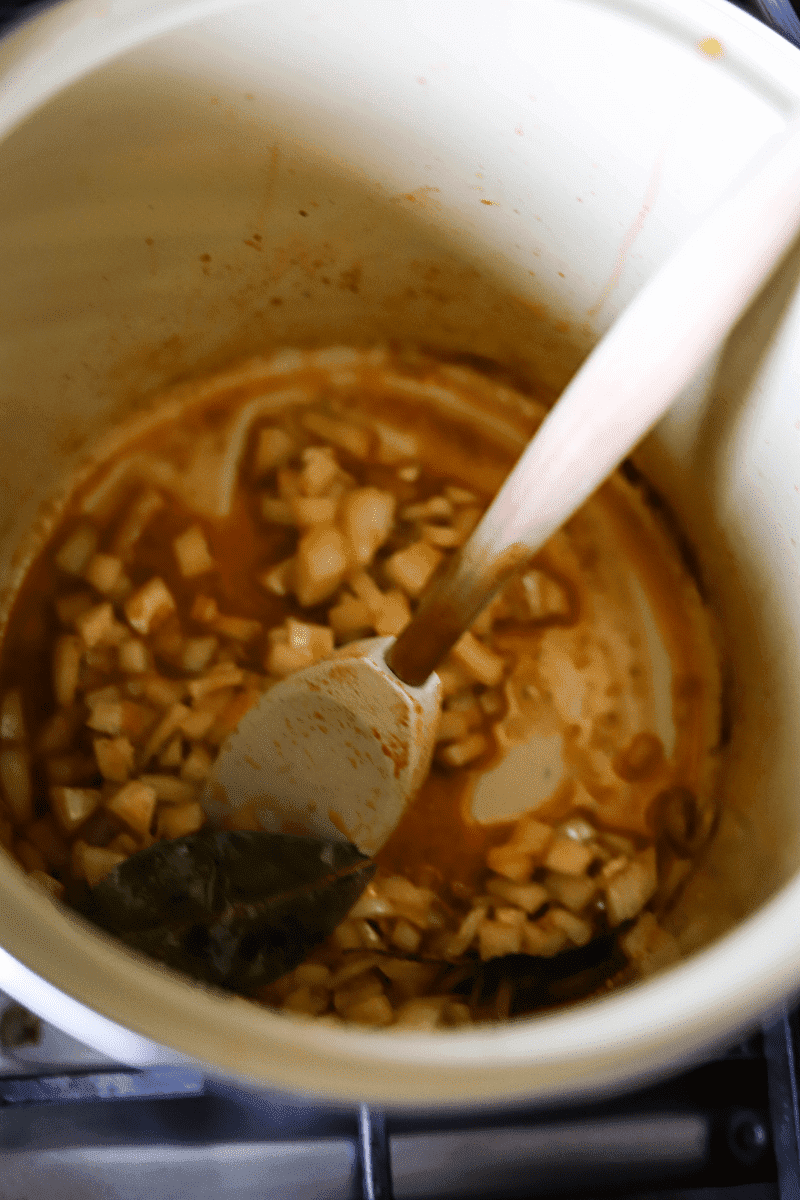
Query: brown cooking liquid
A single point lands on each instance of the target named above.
(439, 844)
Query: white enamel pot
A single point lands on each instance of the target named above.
(189, 181)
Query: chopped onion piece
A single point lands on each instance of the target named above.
(93, 863)
(461, 941)
(12, 720)
(545, 596)
(427, 510)
(198, 764)
(393, 614)
(496, 939)
(458, 754)
(104, 572)
(198, 722)
(394, 445)
(366, 520)
(459, 495)
(320, 564)
(320, 469)
(443, 536)
(15, 778)
(629, 890)
(279, 579)
(239, 629)
(310, 1001)
(179, 820)
(514, 864)
(133, 525)
(406, 937)
(99, 627)
(543, 939)
(149, 606)
(163, 692)
(568, 856)
(367, 590)
(79, 547)
(120, 716)
(579, 932)
(512, 916)
(104, 695)
(316, 638)
(168, 725)
(114, 758)
(369, 1010)
(123, 843)
(453, 679)
(71, 805)
(456, 724)
(482, 663)
(223, 675)
(530, 836)
(312, 510)
(313, 975)
(649, 946)
(198, 652)
(350, 617)
(353, 439)
(412, 568)
(172, 754)
(134, 804)
(526, 896)
(134, 657)
(192, 552)
(283, 659)
(573, 891)
(232, 714)
(170, 790)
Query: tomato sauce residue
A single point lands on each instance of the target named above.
(433, 845)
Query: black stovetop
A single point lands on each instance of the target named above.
(74, 1126)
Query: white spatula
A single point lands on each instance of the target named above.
(340, 747)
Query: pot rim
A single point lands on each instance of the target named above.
(601, 1044)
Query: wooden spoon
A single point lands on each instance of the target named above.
(343, 745)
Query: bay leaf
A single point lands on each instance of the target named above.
(540, 983)
(236, 909)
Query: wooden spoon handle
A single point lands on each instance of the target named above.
(628, 381)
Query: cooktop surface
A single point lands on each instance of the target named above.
(77, 1126)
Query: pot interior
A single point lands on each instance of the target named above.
(482, 184)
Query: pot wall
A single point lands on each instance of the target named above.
(473, 178)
